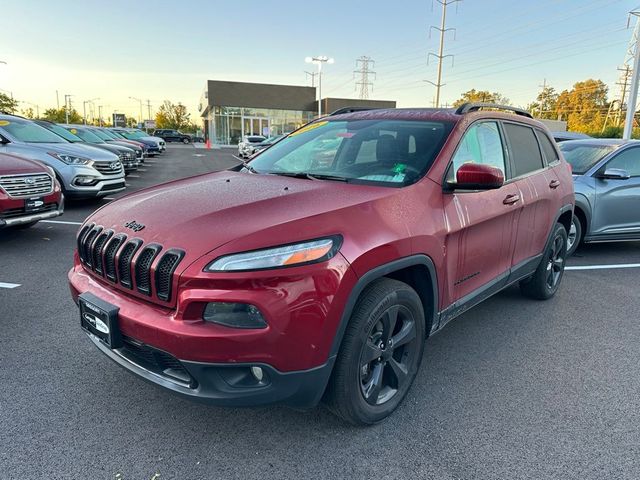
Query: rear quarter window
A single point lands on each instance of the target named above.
(550, 153)
(525, 150)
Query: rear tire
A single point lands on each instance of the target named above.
(186, 141)
(380, 353)
(544, 283)
(574, 236)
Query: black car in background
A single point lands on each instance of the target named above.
(170, 135)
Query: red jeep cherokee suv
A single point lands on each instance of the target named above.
(29, 192)
(318, 269)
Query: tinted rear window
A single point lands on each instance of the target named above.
(524, 149)
(547, 147)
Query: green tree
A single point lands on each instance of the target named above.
(28, 112)
(485, 96)
(545, 104)
(584, 107)
(8, 104)
(58, 115)
(172, 115)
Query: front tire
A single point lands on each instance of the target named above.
(380, 353)
(544, 283)
(186, 141)
(574, 237)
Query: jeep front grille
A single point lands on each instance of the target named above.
(18, 186)
(128, 263)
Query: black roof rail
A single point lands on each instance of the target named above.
(475, 106)
(340, 111)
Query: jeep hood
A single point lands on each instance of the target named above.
(200, 214)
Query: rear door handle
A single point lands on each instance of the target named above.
(511, 199)
(554, 184)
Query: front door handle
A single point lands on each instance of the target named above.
(554, 184)
(511, 199)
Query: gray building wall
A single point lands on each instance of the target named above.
(260, 95)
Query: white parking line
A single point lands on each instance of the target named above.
(603, 267)
(9, 285)
(142, 169)
(108, 198)
(60, 222)
(131, 175)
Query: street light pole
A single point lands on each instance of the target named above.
(84, 108)
(66, 107)
(319, 61)
(100, 115)
(633, 91)
(139, 101)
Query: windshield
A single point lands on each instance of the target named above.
(384, 152)
(110, 134)
(101, 134)
(63, 132)
(86, 135)
(131, 135)
(583, 156)
(30, 132)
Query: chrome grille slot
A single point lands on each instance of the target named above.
(18, 186)
(143, 268)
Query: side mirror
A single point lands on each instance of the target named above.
(615, 174)
(477, 176)
(3, 141)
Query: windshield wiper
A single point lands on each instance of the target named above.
(312, 176)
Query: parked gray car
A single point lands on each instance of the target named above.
(82, 170)
(606, 174)
(126, 155)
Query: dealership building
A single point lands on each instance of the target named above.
(231, 110)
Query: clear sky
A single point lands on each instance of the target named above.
(168, 49)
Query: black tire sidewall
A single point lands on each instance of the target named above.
(363, 321)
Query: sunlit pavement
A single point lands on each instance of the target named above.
(515, 388)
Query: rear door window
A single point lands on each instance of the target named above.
(525, 150)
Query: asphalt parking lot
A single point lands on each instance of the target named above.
(513, 389)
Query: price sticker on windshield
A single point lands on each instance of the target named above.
(74, 131)
(4, 123)
(311, 126)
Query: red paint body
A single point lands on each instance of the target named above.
(222, 213)
(11, 165)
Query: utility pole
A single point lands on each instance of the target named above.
(633, 91)
(67, 105)
(57, 100)
(441, 56)
(313, 76)
(149, 109)
(100, 115)
(364, 72)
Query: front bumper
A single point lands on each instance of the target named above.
(228, 385)
(32, 217)
(102, 188)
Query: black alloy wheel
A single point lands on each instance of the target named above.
(390, 349)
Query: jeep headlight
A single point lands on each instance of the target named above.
(71, 159)
(303, 253)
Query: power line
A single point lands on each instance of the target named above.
(364, 72)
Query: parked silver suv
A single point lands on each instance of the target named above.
(83, 171)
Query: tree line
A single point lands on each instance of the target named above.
(169, 115)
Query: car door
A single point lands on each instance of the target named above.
(480, 224)
(617, 204)
(536, 184)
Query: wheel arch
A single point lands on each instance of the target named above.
(418, 271)
(583, 212)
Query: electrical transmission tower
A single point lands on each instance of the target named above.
(440, 55)
(365, 75)
(617, 106)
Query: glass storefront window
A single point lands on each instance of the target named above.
(229, 124)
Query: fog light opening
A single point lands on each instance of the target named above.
(85, 181)
(234, 315)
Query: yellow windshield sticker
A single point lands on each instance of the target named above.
(4, 123)
(74, 131)
(311, 126)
